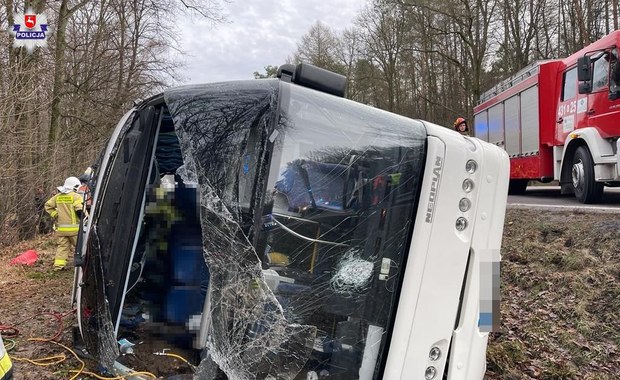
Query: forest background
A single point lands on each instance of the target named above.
(419, 58)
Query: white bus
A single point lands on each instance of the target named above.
(271, 229)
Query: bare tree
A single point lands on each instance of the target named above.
(318, 47)
(521, 19)
(384, 33)
(58, 105)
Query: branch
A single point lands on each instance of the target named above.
(213, 16)
(76, 7)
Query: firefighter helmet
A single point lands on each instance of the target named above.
(71, 184)
(459, 121)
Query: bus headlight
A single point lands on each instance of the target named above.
(468, 185)
(430, 373)
(434, 354)
(464, 204)
(461, 224)
(471, 166)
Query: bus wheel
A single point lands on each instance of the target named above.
(517, 186)
(587, 190)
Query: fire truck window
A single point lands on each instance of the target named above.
(601, 73)
(569, 89)
(614, 83)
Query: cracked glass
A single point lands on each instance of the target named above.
(307, 204)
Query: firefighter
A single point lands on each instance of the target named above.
(460, 125)
(6, 367)
(84, 192)
(66, 209)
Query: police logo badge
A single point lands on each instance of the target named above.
(30, 30)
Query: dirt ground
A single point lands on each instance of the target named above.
(560, 297)
(36, 301)
(560, 302)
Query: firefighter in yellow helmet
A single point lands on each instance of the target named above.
(66, 209)
(460, 125)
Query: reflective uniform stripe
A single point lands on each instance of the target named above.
(60, 262)
(5, 363)
(68, 227)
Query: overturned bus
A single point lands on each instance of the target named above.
(271, 229)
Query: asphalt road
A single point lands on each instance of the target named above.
(549, 197)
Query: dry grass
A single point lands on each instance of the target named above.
(560, 298)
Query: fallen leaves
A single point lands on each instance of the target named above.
(559, 293)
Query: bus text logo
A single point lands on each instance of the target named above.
(432, 198)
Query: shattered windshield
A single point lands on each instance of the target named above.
(338, 216)
(307, 204)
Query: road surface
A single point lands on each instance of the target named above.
(549, 197)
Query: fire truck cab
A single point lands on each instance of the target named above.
(558, 120)
(271, 229)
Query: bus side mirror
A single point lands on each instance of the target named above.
(584, 68)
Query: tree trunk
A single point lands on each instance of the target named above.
(24, 122)
(59, 69)
(614, 12)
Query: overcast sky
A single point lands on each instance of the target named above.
(258, 33)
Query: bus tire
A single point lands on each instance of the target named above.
(586, 189)
(517, 186)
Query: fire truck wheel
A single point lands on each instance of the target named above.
(587, 190)
(517, 186)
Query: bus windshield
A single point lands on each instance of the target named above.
(338, 215)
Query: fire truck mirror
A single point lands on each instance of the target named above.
(584, 69)
(585, 87)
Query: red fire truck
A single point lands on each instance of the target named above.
(559, 120)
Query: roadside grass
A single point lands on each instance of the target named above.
(560, 298)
